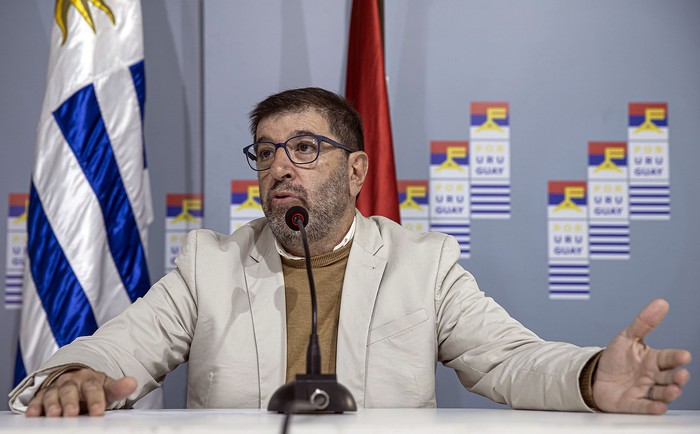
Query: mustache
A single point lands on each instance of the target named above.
(287, 187)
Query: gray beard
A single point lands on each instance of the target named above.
(325, 210)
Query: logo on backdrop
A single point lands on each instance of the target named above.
(245, 203)
(626, 181)
(468, 180)
(567, 240)
(16, 248)
(489, 120)
(649, 179)
(184, 213)
(449, 159)
(449, 191)
(490, 160)
(414, 205)
(609, 228)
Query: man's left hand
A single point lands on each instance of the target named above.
(633, 378)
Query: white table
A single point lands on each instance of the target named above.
(433, 421)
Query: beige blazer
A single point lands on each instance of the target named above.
(406, 305)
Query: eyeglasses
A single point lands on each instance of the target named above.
(302, 149)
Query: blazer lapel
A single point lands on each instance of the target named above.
(263, 272)
(363, 274)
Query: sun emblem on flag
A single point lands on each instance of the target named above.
(81, 6)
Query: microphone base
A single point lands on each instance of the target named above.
(312, 393)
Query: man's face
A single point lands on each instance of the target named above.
(321, 187)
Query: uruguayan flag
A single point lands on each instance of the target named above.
(90, 200)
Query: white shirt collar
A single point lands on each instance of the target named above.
(346, 239)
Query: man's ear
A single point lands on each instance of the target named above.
(357, 171)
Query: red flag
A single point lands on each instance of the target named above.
(366, 90)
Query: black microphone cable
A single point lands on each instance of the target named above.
(294, 407)
(324, 392)
(297, 218)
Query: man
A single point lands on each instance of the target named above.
(391, 304)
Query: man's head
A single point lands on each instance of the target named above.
(328, 186)
(344, 121)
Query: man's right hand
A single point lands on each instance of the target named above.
(81, 391)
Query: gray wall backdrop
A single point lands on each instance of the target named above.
(568, 70)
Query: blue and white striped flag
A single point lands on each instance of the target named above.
(90, 199)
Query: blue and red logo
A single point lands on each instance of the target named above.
(189, 207)
(610, 156)
(18, 204)
(490, 115)
(245, 194)
(413, 194)
(449, 154)
(570, 195)
(647, 116)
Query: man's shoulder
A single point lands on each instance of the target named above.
(396, 237)
(242, 237)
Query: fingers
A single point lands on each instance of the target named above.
(668, 387)
(94, 396)
(650, 317)
(69, 398)
(679, 377)
(36, 407)
(665, 394)
(671, 359)
(64, 396)
(644, 406)
(50, 403)
(84, 389)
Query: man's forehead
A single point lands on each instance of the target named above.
(288, 124)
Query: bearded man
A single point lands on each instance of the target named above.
(392, 304)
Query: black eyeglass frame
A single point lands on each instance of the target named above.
(319, 138)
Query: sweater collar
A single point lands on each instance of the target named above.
(346, 239)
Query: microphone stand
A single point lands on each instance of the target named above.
(312, 392)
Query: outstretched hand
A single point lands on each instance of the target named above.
(80, 391)
(633, 378)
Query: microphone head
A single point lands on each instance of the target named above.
(294, 214)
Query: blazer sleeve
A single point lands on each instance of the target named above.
(496, 356)
(147, 340)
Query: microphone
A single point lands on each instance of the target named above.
(297, 218)
(313, 392)
(292, 218)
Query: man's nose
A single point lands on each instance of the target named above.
(282, 167)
